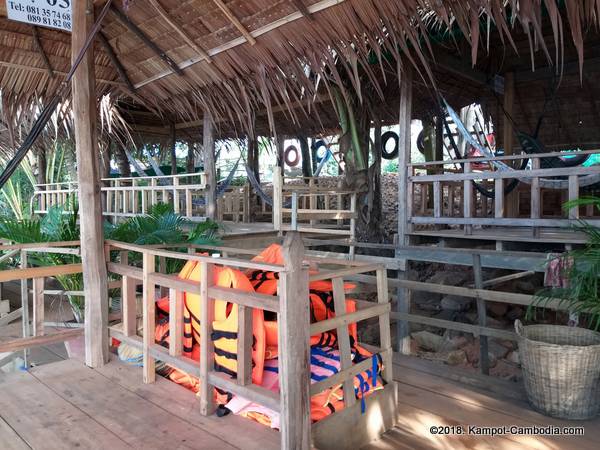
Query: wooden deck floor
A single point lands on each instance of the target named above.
(427, 400)
(66, 405)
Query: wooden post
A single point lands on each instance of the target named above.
(38, 306)
(294, 345)
(128, 301)
(25, 305)
(149, 307)
(277, 198)
(468, 199)
(175, 322)
(339, 301)
(244, 345)
(402, 239)
(573, 195)
(512, 199)
(207, 312)
(536, 197)
(90, 201)
(209, 166)
(484, 363)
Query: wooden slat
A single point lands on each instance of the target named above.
(330, 275)
(175, 322)
(339, 301)
(249, 299)
(125, 270)
(244, 346)
(484, 363)
(149, 308)
(38, 341)
(38, 306)
(384, 323)
(363, 314)
(39, 272)
(235, 21)
(207, 312)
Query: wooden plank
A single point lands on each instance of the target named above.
(39, 272)
(244, 346)
(476, 330)
(38, 306)
(384, 324)
(10, 439)
(484, 363)
(207, 313)
(90, 201)
(294, 348)
(25, 402)
(573, 195)
(404, 155)
(352, 428)
(175, 322)
(146, 425)
(179, 402)
(363, 314)
(37, 341)
(149, 308)
(339, 301)
(341, 273)
(467, 199)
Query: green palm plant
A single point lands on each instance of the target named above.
(582, 271)
(160, 226)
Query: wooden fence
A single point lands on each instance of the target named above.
(444, 196)
(293, 400)
(34, 331)
(127, 197)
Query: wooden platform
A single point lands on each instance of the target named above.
(64, 405)
(426, 400)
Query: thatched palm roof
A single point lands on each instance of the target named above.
(274, 53)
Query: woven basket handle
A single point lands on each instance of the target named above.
(519, 327)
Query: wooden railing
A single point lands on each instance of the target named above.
(523, 264)
(126, 197)
(448, 197)
(34, 331)
(313, 208)
(293, 400)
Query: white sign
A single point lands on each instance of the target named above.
(45, 13)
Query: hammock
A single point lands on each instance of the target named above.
(324, 160)
(261, 193)
(584, 181)
(222, 185)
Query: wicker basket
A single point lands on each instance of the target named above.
(561, 369)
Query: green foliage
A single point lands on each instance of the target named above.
(160, 226)
(582, 270)
(391, 167)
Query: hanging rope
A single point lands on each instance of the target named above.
(51, 106)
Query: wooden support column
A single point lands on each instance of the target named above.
(294, 344)
(512, 199)
(484, 362)
(209, 166)
(90, 201)
(405, 115)
(173, 150)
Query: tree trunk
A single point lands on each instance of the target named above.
(190, 161)
(42, 164)
(305, 152)
(173, 150)
(122, 161)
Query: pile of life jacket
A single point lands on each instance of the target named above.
(324, 353)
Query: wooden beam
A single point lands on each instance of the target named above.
(90, 201)
(312, 9)
(405, 115)
(235, 21)
(179, 30)
(146, 40)
(38, 45)
(303, 9)
(294, 345)
(24, 67)
(115, 61)
(38, 341)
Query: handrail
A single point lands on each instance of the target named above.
(480, 159)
